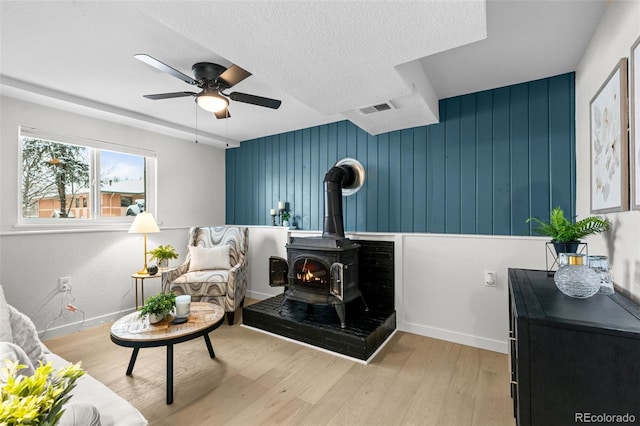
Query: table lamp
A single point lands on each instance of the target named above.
(144, 223)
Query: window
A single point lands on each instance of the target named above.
(113, 181)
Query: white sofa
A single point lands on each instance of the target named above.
(91, 404)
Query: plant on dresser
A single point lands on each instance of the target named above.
(565, 234)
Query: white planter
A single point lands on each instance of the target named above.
(153, 318)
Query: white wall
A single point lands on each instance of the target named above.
(617, 31)
(443, 291)
(191, 191)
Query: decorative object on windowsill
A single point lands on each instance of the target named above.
(273, 214)
(285, 218)
(575, 279)
(36, 399)
(144, 223)
(163, 254)
(158, 307)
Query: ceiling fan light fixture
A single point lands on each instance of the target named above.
(211, 101)
(212, 79)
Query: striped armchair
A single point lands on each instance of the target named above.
(215, 268)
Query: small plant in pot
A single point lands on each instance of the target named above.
(565, 234)
(285, 218)
(163, 254)
(158, 307)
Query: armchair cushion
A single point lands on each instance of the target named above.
(205, 258)
(204, 283)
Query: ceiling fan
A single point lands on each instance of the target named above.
(213, 79)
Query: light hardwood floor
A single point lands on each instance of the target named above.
(257, 379)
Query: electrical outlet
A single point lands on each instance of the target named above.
(64, 283)
(490, 278)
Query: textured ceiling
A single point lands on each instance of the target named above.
(332, 55)
(325, 60)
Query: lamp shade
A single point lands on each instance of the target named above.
(144, 223)
(211, 101)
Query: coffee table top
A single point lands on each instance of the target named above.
(132, 331)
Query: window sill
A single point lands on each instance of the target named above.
(72, 226)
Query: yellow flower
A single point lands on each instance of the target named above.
(37, 399)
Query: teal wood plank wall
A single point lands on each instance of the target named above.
(496, 158)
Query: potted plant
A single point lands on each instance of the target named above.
(38, 399)
(565, 234)
(163, 254)
(285, 218)
(157, 307)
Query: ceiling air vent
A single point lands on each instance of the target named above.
(377, 108)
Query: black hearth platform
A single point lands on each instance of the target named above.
(318, 325)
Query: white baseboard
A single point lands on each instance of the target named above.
(81, 325)
(455, 337)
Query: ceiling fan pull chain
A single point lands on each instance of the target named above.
(196, 111)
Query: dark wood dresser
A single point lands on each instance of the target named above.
(572, 360)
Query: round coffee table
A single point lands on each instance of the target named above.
(132, 332)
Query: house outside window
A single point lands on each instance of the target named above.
(113, 181)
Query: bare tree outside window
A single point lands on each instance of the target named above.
(52, 171)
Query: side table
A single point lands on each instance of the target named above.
(141, 277)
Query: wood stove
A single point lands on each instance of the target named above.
(324, 270)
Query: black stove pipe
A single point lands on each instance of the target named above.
(335, 179)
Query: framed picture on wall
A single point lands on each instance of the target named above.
(609, 144)
(634, 124)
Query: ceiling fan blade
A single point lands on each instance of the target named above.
(169, 95)
(233, 75)
(222, 114)
(255, 100)
(149, 60)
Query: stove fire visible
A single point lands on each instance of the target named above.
(324, 270)
(311, 272)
